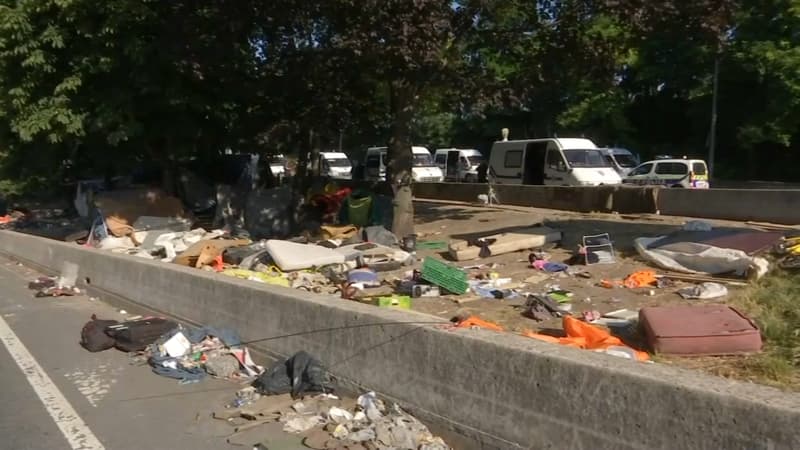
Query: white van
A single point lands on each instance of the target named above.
(423, 170)
(676, 173)
(335, 165)
(552, 162)
(459, 164)
(621, 159)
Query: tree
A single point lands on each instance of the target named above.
(148, 79)
(408, 47)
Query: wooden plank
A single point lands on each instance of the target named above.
(704, 279)
(522, 239)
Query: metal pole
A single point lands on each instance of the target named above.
(712, 139)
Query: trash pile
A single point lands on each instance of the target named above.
(172, 350)
(297, 394)
(706, 258)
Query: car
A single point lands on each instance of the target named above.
(674, 173)
(621, 159)
(423, 169)
(551, 162)
(459, 164)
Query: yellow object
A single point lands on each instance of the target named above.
(270, 278)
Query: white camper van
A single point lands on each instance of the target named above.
(459, 164)
(423, 170)
(550, 161)
(335, 165)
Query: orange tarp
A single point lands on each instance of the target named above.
(585, 336)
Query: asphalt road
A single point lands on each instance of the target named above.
(56, 395)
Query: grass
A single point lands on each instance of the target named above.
(774, 303)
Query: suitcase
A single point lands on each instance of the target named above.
(136, 335)
(699, 330)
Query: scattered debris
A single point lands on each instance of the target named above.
(699, 330)
(704, 291)
(499, 244)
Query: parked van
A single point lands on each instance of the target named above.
(621, 159)
(676, 173)
(459, 164)
(335, 165)
(550, 161)
(423, 170)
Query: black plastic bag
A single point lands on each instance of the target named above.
(297, 375)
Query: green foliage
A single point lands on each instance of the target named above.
(112, 83)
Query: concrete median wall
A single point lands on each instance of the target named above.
(583, 199)
(764, 205)
(501, 390)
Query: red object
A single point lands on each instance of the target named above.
(217, 264)
(699, 330)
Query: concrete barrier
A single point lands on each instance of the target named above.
(502, 391)
(582, 199)
(765, 205)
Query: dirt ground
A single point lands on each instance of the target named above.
(445, 221)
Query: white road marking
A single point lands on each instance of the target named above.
(78, 434)
(95, 384)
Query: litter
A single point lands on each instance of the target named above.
(441, 274)
(297, 375)
(177, 345)
(425, 290)
(498, 244)
(548, 266)
(704, 291)
(693, 257)
(640, 279)
(585, 336)
(598, 249)
(476, 322)
(394, 301)
(699, 330)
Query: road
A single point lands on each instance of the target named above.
(56, 395)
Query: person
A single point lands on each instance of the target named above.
(483, 168)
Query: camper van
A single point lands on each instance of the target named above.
(335, 165)
(423, 170)
(550, 161)
(621, 159)
(459, 164)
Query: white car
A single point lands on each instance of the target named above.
(423, 170)
(674, 173)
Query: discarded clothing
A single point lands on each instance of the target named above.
(640, 279)
(548, 266)
(297, 375)
(170, 367)
(582, 335)
(228, 337)
(704, 291)
(476, 322)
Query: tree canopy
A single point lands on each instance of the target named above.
(109, 84)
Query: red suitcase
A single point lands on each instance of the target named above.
(699, 330)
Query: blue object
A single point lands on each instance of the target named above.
(554, 267)
(366, 276)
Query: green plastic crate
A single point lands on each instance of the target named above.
(444, 275)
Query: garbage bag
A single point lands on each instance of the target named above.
(297, 375)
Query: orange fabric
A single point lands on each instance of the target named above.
(586, 336)
(474, 321)
(642, 278)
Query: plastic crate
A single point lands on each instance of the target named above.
(444, 275)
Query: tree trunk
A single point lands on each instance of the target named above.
(398, 168)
